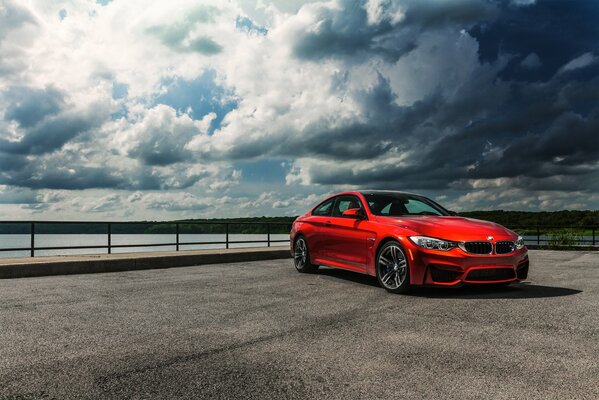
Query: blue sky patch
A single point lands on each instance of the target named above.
(119, 90)
(247, 25)
(201, 95)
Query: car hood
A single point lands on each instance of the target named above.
(453, 228)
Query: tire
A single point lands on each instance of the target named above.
(301, 256)
(392, 269)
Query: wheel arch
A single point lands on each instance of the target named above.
(382, 242)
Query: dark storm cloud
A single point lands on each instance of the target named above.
(160, 153)
(18, 196)
(535, 131)
(346, 31)
(46, 122)
(530, 124)
(391, 125)
(30, 105)
(50, 134)
(554, 31)
(55, 175)
(11, 162)
(67, 170)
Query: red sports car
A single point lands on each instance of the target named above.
(406, 240)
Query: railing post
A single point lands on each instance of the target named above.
(538, 236)
(227, 235)
(268, 234)
(32, 239)
(109, 231)
(177, 225)
(593, 236)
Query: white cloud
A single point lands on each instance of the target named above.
(531, 61)
(582, 61)
(524, 3)
(159, 135)
(340, 96)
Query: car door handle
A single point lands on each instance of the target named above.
(328, 222)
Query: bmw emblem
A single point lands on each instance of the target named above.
(489, 237)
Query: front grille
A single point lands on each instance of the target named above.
(504, 247)
(491, 274)
(443, 275)
(478, 247)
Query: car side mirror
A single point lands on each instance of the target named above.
(454, 213)
(353, 213)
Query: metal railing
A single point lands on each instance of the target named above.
(109, 246)
(540, 235)
(558, 235)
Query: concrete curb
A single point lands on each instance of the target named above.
(45, 266)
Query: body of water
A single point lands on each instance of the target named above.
(41, 240)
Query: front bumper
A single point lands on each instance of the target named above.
(456, 267)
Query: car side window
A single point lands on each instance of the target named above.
(387, 206)
(324, 209)
(385, 210)
(418, 207)
(345, 203)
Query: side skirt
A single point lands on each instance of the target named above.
(335, 264)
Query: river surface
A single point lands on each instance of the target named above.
(42, 240)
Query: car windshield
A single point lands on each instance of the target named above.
(398, 204)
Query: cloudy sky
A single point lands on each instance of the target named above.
(130, 109)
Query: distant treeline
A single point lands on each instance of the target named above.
(189, 226)
(282, 224)
(531, 219)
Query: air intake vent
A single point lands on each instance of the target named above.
(504, 247)
(478, 247)
(523, 270)
(491, 274)
(443, 275)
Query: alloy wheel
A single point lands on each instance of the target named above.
(300, 253)
(393, 267)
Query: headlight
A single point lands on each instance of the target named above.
(433, 243)
(519, 243)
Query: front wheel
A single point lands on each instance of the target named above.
(392, 268)
(301, 257)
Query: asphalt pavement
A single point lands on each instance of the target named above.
(261, 330)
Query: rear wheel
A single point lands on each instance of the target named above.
(392, 268)
(301, 256)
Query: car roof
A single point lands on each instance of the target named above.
(390, 192)
(369, 192)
